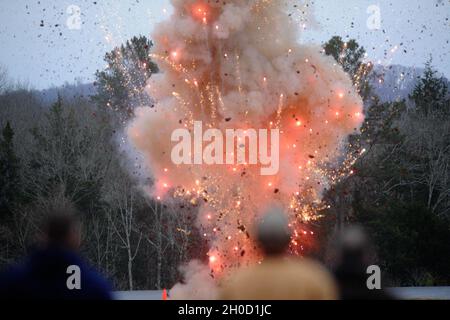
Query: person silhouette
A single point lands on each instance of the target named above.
(44, 273)
(353, 257)
(279, 277)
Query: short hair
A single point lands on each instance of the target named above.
(273, 232)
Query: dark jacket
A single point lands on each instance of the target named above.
(352, 284)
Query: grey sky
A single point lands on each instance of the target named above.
(53, 54)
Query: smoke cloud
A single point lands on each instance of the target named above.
(237, 64)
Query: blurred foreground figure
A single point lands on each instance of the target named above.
(353, 257)
(44, 273)
(279, 277)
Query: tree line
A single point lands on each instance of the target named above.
(70, 151)
(400, 189)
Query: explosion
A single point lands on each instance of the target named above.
(238, 65)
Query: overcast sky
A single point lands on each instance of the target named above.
(41, 45)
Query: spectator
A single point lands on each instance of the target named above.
(353, 258)
(43, 274)
(279, 277)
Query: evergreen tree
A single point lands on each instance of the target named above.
(9, 172)
(431, 93)
(350, 56)
(120, 86)
(67, 156)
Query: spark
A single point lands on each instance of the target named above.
(174, 54)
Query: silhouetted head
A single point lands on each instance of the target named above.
(62, 228)
(273, 232)
(354, 248)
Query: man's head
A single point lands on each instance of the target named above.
(273, 232)
(62, 228)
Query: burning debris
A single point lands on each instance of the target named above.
(238, 65)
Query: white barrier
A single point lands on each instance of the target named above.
(405, 293)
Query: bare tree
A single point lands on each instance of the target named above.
(427, 138)
(122, 198)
